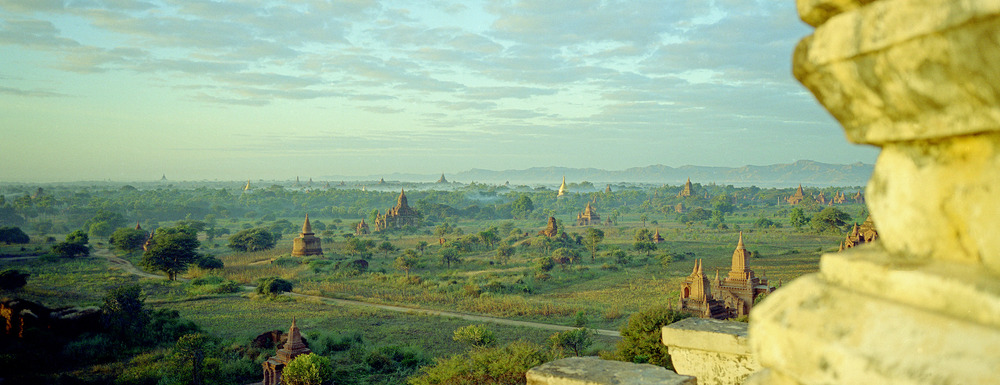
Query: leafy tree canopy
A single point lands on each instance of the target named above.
(172, 250)
(255, 239)
(11, 235)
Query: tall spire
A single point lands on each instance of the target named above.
(562, 187)
(741, 260)
(306, 227)
(402, 198)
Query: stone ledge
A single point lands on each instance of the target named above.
(958, 290)
(708, 334)
(822, 333)
(714, 351)
(595, 371)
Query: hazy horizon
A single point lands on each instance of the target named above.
(130, 91)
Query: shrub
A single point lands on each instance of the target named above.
(11, 235)
(576, 341)
(209, 262)
(11, 279)
(500, 365)
(641, 336)
(307, 369)
(273, 286)
(475, 335)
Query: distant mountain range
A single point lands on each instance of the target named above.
(806, 172)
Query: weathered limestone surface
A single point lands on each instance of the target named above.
(820, 333)
(898, 70)
(950, 188)
(714, 351)
(595, 371)
(922, 304)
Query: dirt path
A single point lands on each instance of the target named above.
(129, 267)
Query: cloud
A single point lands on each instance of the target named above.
(30, 93)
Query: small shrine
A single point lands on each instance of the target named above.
(294, 347)
(307, 243)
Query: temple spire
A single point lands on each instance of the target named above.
(306, 227)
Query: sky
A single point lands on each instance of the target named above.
(231, 90)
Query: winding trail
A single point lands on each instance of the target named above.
(132, 269)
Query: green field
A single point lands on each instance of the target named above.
(600, 291)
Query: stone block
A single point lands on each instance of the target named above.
(714, 351)
(949, 188)
(818, 333)
(963, 291)
(595, 371)
(900, 70)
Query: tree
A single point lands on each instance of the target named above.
(576, 341)
(830, 219)
(644, 218)
(11, 235)
(172, 250)
(591, 239)
(74, 246)
(209, 262)
(619, 256)
(127, 239)
(11, 279)
(192, 348)
(407, 261)
(449, 255)
(521, 207)
(358, 247)
(386, 248)
(504, 252)
(421, 246)
(255, 239)
(272, 286)
(124, 315)
(797, 218)
(764, 223)
(722, 204)
(475, 335)
(308, 369)
(644, 246)
(641, 336)
(565, 255)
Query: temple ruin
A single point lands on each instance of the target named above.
(307, 243)
(723, 298)
(551, 230)
(294, 347)
(687, 190)
(361, 229)
(796, 198)
(442, 180)
(859, 235)
(588, 216)
(397, 217)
